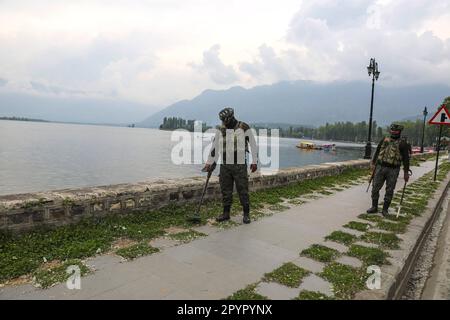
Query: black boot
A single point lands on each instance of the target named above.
(225, 215)
(246, 218)
(385, 211)
(374, 208)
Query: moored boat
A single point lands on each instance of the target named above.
(309, 146)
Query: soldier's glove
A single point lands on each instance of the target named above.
(209, 167)
(253, 167)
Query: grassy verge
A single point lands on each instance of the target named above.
(288, 274)
(312, 295)
(370, 256)
(320, 253)
(137, 250)
(359, 226)
(385, 240)
(346, 280)
(45, 277)
(248, 293)
(341, 237)
(187, 236)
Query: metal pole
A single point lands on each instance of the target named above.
(437, 154)
(423, 133)
(368, 154)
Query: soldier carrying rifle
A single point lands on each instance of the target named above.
(390, 154)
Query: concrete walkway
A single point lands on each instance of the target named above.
(225, 261)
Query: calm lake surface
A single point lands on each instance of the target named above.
(37, 156)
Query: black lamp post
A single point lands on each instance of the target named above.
(425, 113)
(373, 71)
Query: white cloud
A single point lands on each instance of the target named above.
(212, 64)
(146, 50)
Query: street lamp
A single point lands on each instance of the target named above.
(372, 69)
(425, 112)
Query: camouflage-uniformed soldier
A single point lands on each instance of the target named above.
(390, 153)
(232, 141)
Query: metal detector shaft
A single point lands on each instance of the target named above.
(211, 169)
(204, 191)
(403, 194)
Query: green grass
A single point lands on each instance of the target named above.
(385, 240)
(346, 280)
(248, 293)
(45, 278)
(341, 237)
(312, 295)
(370, 217)
(137, 250)
(226, 224)
(392, 226)
(187, 236)
(359, 226)
(288, 274)
(320, 253)
(370, 256)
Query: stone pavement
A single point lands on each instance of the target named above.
(225, 261)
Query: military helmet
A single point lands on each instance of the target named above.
(396, 127)
(226, 114)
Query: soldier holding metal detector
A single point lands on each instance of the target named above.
(390, 154)
(232, 142)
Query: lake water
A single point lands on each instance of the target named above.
(38, 156)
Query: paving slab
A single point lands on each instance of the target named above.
(313, 282)
(309, 264)
(353, 231)
(335, 245)
(366, 244)
(350, 261)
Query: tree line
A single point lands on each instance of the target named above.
(173, 123)
(358, 132)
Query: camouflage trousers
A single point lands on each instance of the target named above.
(383, 174)
(230, 174)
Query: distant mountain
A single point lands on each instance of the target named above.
(307, 102)
(71, 109)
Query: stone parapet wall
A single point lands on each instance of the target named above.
(25, 211)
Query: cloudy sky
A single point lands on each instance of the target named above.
(160, 51)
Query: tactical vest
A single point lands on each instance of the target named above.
(238, 135)
(390, 152)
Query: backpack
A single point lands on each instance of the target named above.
(390, 152)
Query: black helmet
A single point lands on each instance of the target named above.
(226, 114)
(396, 127)
(396, 130)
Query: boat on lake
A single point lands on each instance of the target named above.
(306, 145)
(329, 147)
(309, 146)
